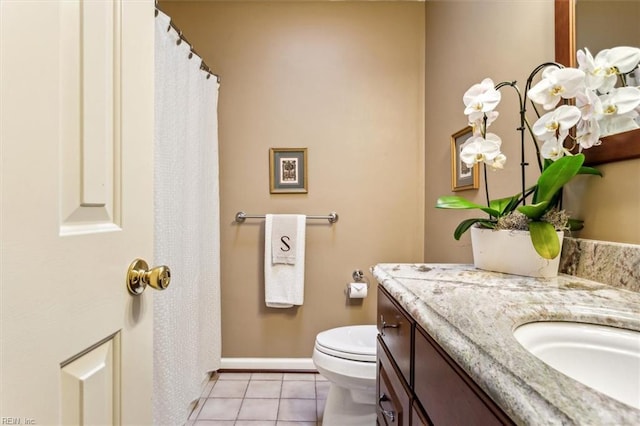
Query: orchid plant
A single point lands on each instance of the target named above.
(583, 104)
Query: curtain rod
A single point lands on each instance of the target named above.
(203, 66)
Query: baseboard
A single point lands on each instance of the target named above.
(272, 364)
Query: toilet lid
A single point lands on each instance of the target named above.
(356, 342)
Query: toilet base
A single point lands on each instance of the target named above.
(341, 409)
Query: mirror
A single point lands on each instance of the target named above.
(622, 146)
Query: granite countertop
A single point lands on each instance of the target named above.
(472, 315)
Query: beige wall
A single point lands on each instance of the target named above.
(345, 80)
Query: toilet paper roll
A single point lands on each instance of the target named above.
(357, 290)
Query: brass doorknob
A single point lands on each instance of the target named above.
(139, 276)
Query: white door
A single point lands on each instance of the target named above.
(76, 133)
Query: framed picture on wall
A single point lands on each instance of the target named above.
(462, 177)
(288, 170)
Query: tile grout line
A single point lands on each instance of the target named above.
(280, 398)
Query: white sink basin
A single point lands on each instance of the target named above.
(604, 358)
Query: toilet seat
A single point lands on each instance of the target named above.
(356, 343)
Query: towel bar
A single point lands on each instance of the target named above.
(242, 216)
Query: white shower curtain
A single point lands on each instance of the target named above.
(187, 232)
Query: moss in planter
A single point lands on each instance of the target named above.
(518, 221)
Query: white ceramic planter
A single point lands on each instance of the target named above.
(511, 252)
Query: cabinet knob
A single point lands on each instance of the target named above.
(385, 325)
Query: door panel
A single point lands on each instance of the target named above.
(90, 386)
(90, 115)
(76, 111)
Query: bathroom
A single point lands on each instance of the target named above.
(373, 91)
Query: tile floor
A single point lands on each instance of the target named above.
(262, 399)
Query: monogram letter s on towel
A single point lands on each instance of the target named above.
(284, 240)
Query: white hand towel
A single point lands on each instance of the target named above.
(284, 236)
(284, 283)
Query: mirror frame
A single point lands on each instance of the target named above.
(622, 146)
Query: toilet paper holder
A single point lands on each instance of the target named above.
(358, 277)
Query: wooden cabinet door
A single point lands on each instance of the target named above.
(445, 391)
(395, 329)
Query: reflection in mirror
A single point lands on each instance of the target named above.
(594, 15)
(590, 18)
(619, 18)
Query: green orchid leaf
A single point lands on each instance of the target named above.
(455, 202)
(463, 227)
(534, 211)
(516, 201)
(504, 205)
(556, 175)
(544, 239)
(576, 224)
(584, 170)
(466, 224)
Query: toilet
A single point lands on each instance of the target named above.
(346, 357)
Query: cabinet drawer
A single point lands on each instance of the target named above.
(446, 392)
(393, 404)
(395, 328)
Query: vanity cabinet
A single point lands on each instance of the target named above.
(418, 383)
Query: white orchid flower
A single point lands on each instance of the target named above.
(589, 104)
(557, 83)
(476, 121)
(602, 71)
(553, 149)
(478, 149)
(624, 58)
(619, 110)
(621, 100)
(556, 124)
(588, 133)
(618, 124)
(594, 72)
(498, 162)
(481, 98)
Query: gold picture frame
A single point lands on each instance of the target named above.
(462, 177)
(288, 171)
